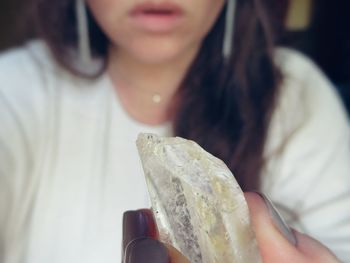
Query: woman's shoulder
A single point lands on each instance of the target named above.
(21, 92)
(34, 51)
(29, 64)
(301, 74)
(307, 152)
(308, 106)
(26, 74)
(306, 88)
(293, 61)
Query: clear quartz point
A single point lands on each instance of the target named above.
(198, 206)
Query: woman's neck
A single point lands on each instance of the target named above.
(147, 90)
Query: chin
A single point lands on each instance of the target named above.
(161, 52)
(154, 58)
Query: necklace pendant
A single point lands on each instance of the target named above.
(156, 98)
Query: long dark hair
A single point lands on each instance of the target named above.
(225, 106)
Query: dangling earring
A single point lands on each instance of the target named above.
(229, 29)
(84, 48)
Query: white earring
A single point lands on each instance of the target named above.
(229, 29)
(84, 48)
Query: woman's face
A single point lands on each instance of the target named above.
(156, 31)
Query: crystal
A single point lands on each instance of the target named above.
(198, 205)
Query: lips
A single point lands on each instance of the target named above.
(157, 17)
(164, 8)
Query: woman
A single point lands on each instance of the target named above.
(71, 113)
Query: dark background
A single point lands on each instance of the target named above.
(327, 42)
(326, 39)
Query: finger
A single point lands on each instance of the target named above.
(137, 224)
(313, 249)
(273, 245)
(146, 250)
(175, 255)
(139, 234)
(277, 243)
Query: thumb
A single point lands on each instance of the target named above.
(276, 241)
(175, 255)
(140, 242)
(146, 250)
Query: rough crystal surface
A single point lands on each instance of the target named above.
(198, 205)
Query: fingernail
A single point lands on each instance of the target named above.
(278, 220)
(146, 250)
(138, 224)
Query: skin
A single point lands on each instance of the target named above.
(274, 247)
(143, 62)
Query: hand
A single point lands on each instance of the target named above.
(277, 243)
(140, 242)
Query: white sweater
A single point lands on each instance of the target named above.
(69, 166)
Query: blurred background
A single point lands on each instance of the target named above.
(318, 28)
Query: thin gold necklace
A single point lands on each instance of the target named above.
(157, 98)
